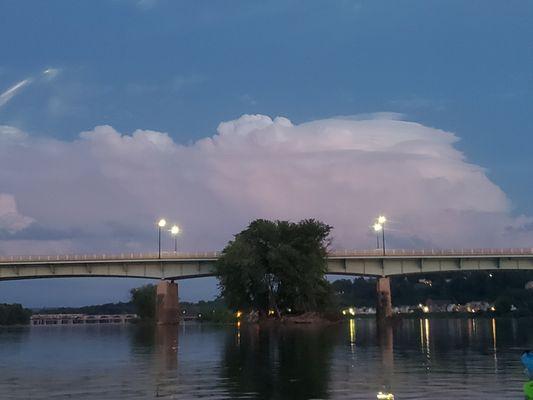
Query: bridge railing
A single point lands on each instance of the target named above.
(215, 254)
(113, 257)
(465, 252)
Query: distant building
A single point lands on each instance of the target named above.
(460, 308)
(451, 308)
(365, 310)
(475, 306)
(402, 309)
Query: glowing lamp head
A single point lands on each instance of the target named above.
(162, 222)
(175, 230)
(382, 219)
(377, 227)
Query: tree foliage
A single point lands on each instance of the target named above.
(14, 314)
(360, 292)
(501, 287)
(276, 265)
(144, 298)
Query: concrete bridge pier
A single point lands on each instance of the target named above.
(384, 301)
(167, 306)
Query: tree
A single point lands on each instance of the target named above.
(276, 265)
(361, 291)
(143, 298)
(14, 314)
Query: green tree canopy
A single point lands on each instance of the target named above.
(14, 314)
(143, 298)
(277, 265)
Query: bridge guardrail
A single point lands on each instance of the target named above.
(111, 257)
(216, 254)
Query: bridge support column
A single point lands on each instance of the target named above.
(384, 301)
(167, 306)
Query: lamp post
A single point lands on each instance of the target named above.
(377, 227)
(381, 221)
(161, 224)
(174, 231)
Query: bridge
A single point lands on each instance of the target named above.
(175, 266)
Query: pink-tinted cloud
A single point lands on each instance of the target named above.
(11, 220)
(105, 190)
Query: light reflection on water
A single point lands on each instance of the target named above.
(415, 359)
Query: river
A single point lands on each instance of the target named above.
(418, 359)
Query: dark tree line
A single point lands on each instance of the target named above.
(501, 287)
(142, 303)
(14, 314)
(144, 299)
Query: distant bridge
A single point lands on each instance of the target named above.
(193, 265)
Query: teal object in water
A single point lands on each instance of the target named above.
(527, 360)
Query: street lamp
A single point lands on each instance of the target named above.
(174, 232)
(377, 227)
(161, 224)
(381, 222)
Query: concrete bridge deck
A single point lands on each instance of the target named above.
(191, 265)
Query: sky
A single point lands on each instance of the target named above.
(115, 113)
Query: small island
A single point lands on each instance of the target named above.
(275, 270)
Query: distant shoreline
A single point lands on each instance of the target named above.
(446, 315)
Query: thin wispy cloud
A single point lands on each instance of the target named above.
(12, 91)
(146, 4)
(48, 74)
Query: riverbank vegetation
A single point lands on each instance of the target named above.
(14, 314)
(144, 301)
(506, 290)
(215, 311)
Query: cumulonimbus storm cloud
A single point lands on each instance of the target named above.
(105, 190)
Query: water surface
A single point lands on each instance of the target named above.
(419, 359)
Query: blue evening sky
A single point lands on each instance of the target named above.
(182, 67)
